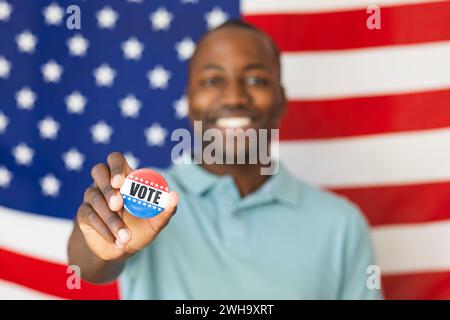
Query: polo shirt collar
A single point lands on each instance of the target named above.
(285, 188)
(281, 187)
(194, 178)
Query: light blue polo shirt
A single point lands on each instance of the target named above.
(287, 240)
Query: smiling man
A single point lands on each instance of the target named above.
(238, 234)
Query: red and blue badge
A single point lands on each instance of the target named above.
(145, 193)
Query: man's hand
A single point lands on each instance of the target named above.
(111, 232)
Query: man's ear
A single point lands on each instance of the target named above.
(282, 106)
(284, 100)
(187, 94)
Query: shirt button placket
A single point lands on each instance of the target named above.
(232, 225)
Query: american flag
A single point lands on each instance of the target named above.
(368, 117)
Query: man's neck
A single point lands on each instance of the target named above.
(247, 177)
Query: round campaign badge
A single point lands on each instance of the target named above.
(145, 193)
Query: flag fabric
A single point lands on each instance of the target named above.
(368, 117)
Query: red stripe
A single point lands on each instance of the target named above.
(402, 204)
(49, 278)
(405, 24)
(429, 286)
(367, 115)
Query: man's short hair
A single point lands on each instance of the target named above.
(237, 23)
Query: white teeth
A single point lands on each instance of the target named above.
(233, 122)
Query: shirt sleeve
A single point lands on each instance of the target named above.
(362, 279)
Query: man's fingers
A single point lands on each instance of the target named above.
(161, 220)
(119, 169)
(111, 219)
(171, 206)
(102, 177)
(86, 215)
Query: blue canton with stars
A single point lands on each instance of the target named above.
(70, 97)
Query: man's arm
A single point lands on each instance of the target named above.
(94, 269)
(105, 235)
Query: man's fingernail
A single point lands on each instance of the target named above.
(117, 180)
(119, 244)
(114, 201)
(124, 235)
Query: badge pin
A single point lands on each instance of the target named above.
(145, 193)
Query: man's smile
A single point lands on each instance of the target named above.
(233, 122)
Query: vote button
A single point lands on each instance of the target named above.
(145, 193)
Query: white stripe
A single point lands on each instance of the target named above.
(413, 248)
(11, 291)
(384, 159)
(35, 235)
(253, 7)
(366, 72)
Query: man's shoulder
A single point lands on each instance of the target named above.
(326, 204)
(332, 215)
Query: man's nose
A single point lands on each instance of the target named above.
(235, 94)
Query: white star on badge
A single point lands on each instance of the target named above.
(25, 98)
(75, 102)
(51, 71)
(106, 18)
(132, 49)
(5, 67)
(26, 41)
(73, 159)
(101, 132)
(4, 121)
(161, 19)
(130, 106)
(155, 135)
(53, 14)
(5, 10)
(5, 177)
(77, 45)
(181, 107)
(23, 154)
(133, 162)
(48, 128)
(158, 77)
(50, 185)
(185, 48)
(215, 18)
(104, 75)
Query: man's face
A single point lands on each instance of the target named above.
(234, 82)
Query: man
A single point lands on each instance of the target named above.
(238, 234)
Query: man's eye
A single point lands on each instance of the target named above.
(257, 81)
(212, 82)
